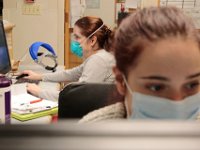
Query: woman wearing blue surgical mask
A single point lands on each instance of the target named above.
(91, 42)
(157, 53)
(84, 43)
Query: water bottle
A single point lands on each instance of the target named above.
(5, 100)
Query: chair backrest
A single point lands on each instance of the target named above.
(78, 99)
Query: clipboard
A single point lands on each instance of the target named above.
(25, 117)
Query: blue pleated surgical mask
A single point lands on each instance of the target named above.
(153, 107)
(76, 47)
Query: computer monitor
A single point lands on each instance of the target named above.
(5, 65)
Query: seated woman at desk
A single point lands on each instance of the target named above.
(157, 53)
(91, 38)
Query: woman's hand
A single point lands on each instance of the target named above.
(33, 89)
(32, 75)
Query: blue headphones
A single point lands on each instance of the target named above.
(33, 49)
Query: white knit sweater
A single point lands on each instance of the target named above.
(114, 111)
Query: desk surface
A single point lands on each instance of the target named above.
(41, 120)
(43, 85)
(38, 68)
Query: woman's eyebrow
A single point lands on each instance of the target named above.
(193, 75)
(155, 78)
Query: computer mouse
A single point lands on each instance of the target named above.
(21, 76)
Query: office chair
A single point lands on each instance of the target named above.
(78, 99)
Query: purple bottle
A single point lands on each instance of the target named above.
(5, 100)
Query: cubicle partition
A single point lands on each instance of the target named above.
(117, 135)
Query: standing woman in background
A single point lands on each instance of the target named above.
(91, 38)
(157, 52)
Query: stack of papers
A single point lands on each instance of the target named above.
(25, 106)
(26, 103)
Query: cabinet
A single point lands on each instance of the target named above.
(70, 60)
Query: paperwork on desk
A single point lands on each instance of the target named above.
(26, 103)
(26, 106)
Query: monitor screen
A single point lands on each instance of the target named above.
(5, 65)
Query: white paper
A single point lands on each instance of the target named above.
(74, 2)
(17, 89)
(77, 9)
(26, 103)
(131, 3)
(93, 4)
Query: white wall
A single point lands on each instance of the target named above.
(47, 27)
(106, 12)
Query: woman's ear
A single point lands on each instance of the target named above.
(121, 87)
(93, 40)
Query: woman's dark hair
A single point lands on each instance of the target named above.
(146, 26)
(89, 24)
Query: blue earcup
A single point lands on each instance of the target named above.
(33, 50)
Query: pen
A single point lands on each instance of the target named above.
(35, 101)
(32, 102)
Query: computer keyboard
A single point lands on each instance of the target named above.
(23, 80)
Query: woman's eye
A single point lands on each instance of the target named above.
(192, 86)
(76, 37)
(155, 88)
